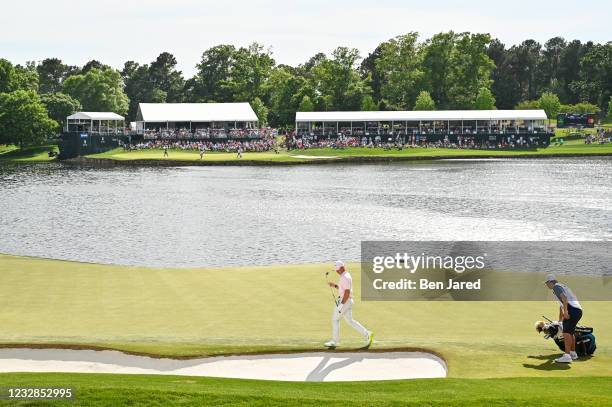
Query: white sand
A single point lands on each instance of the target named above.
(315, 157)
(314, 366)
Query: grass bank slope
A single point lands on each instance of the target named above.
(119, 390)
(27, 154)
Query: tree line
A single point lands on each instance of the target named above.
(447, 71)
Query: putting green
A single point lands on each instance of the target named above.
(180, 312)
(572, 147)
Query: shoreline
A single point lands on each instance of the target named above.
(273, 351)
(110, 162)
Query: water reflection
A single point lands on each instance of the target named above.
(215, 216)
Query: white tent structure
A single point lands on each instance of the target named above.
(170, 116)
(95, 122)
(420, 122)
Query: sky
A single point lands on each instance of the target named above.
(115, 31)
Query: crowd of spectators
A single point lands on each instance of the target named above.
(462, 142)
(265, 144)
(208, 133)
(423, 130)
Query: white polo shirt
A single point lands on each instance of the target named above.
(345, 283)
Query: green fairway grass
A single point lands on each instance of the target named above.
(28, 154)
(192, 155)
(571, 147)
(191, 312)
(148, 390)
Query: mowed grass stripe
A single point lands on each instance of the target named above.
(146, 390)
(190, 312)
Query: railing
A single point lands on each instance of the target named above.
(422, 132)
(209, 134)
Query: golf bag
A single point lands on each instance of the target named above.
(585, 340)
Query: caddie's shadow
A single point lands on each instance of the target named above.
(549, 363)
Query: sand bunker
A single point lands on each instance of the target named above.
(312, 366)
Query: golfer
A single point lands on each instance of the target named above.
(344, 308)
(570, 312)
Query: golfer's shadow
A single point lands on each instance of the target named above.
(549, 363)
(321, 371)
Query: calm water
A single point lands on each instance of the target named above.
(216, 216)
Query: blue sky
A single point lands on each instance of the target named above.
(114, 31)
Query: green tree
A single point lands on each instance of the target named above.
(285, 91)
(162, 75)
(528, 105)
(260, 110)
(484, 99)
(338, 82)
(23, 119)
(436, 66)
(524, 60)
(51, 74)
(585, 107)
(210, 84)
(569, 69)
(550, 103)
(59, 106)
(368, 104)
(470, 70)
(138, 87)
(306, 104)
(400, 67)
(424, 101)
(17, 77)
(98, 90)
(250, 69)
(550, 65)
(368, 69)
(505, 87)
(93, 64)
(155, 83)
(610, 108)
(595, 78)
(582, 107)
(8, 78)
(27, 77)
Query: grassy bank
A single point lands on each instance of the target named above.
(27, 154)
(188, 312)
(119, 390)
(572, 147)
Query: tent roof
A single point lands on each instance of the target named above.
(421, 115)
(95, 116)
(197, 112)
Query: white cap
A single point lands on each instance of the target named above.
(338, 265)
(550, 277)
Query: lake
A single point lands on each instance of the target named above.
(222, 216)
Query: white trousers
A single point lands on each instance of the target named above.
(347, 314)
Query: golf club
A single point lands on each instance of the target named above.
(330, 288)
